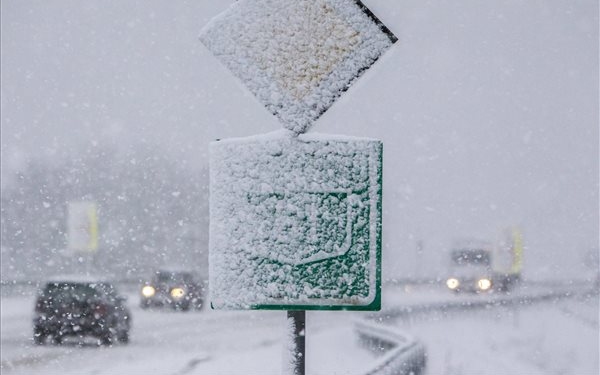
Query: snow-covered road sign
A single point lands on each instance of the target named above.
(297, 56)
(295, 222)
(82, 226)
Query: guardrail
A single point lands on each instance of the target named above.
(447, 306)
(403, 354)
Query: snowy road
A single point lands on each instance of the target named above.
(550, 337)
(167, 342)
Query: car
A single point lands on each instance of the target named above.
(68, 307)
(180, 290)
(471, 271)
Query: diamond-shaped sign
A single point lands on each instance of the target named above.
(297, 56)
(295, 222)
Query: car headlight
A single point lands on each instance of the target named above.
(148, 291)
(177, 292)
(484, 284)
(452, 283)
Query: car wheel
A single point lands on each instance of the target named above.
(123, 337)
(107, 339)
(197, 304)
(57, 339)
(39, 338)
(181, 306)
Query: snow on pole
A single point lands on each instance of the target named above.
(294, 348)
(297, 56)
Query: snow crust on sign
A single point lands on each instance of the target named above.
(283, 133)
(294, 220)
(296, 56)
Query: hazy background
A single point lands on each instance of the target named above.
(488, 112)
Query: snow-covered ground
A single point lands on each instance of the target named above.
(556, 335)
(551, 337)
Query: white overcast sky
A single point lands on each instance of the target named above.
(488, 110)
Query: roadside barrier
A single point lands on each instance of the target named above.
(402, 354)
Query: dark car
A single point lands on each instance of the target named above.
(80, 308)
(180, 290)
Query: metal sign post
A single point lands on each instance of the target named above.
(295, 219)
(298, 318)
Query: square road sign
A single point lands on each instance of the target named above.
(295, 222)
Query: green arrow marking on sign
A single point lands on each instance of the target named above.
(296, 223)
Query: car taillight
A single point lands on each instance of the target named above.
(99, 310)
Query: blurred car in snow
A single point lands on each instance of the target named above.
(471, 271)
(180, 290)
(70, 307)
(479, 266)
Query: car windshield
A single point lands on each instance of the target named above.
(107, 289)
(64, 292)
(173, 277)
(470, 257)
